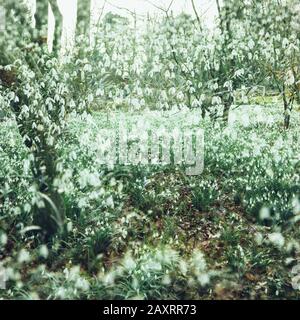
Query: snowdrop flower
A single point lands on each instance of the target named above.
(264, 213)
(24, 256)
(277, 239)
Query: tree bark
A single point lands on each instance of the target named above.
(287, 116)
(58, 25)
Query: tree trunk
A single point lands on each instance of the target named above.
(287, 116)
(287, 119)
(287, 105)
(203, 112)
(58, 25)
(227, 106)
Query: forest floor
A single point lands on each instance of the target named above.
(231, 232)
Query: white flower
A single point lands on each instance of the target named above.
(290, 79)
(166, 280)
(153, 265)
(239, 73)
(251, 44)
(277, 239)
(199, 261)
(3, 239)
(258, 238)
(110, 202)
(61, 292)
(216, 101)
(43, 251)
(296, 206)
(24, 256)
(129, 263)
(203, 279)
(183, 267)
(180, 96)
(109, 279)
(82, 284)
(264, 213)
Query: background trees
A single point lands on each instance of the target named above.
(279, 43)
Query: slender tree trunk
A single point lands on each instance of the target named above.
(287, 120)
(58, 25)
(287, 116)
(288, 106)
(226, 112)
(225, 27)
(203, 112)
(227, 105)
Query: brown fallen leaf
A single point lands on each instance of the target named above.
(251, 277)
